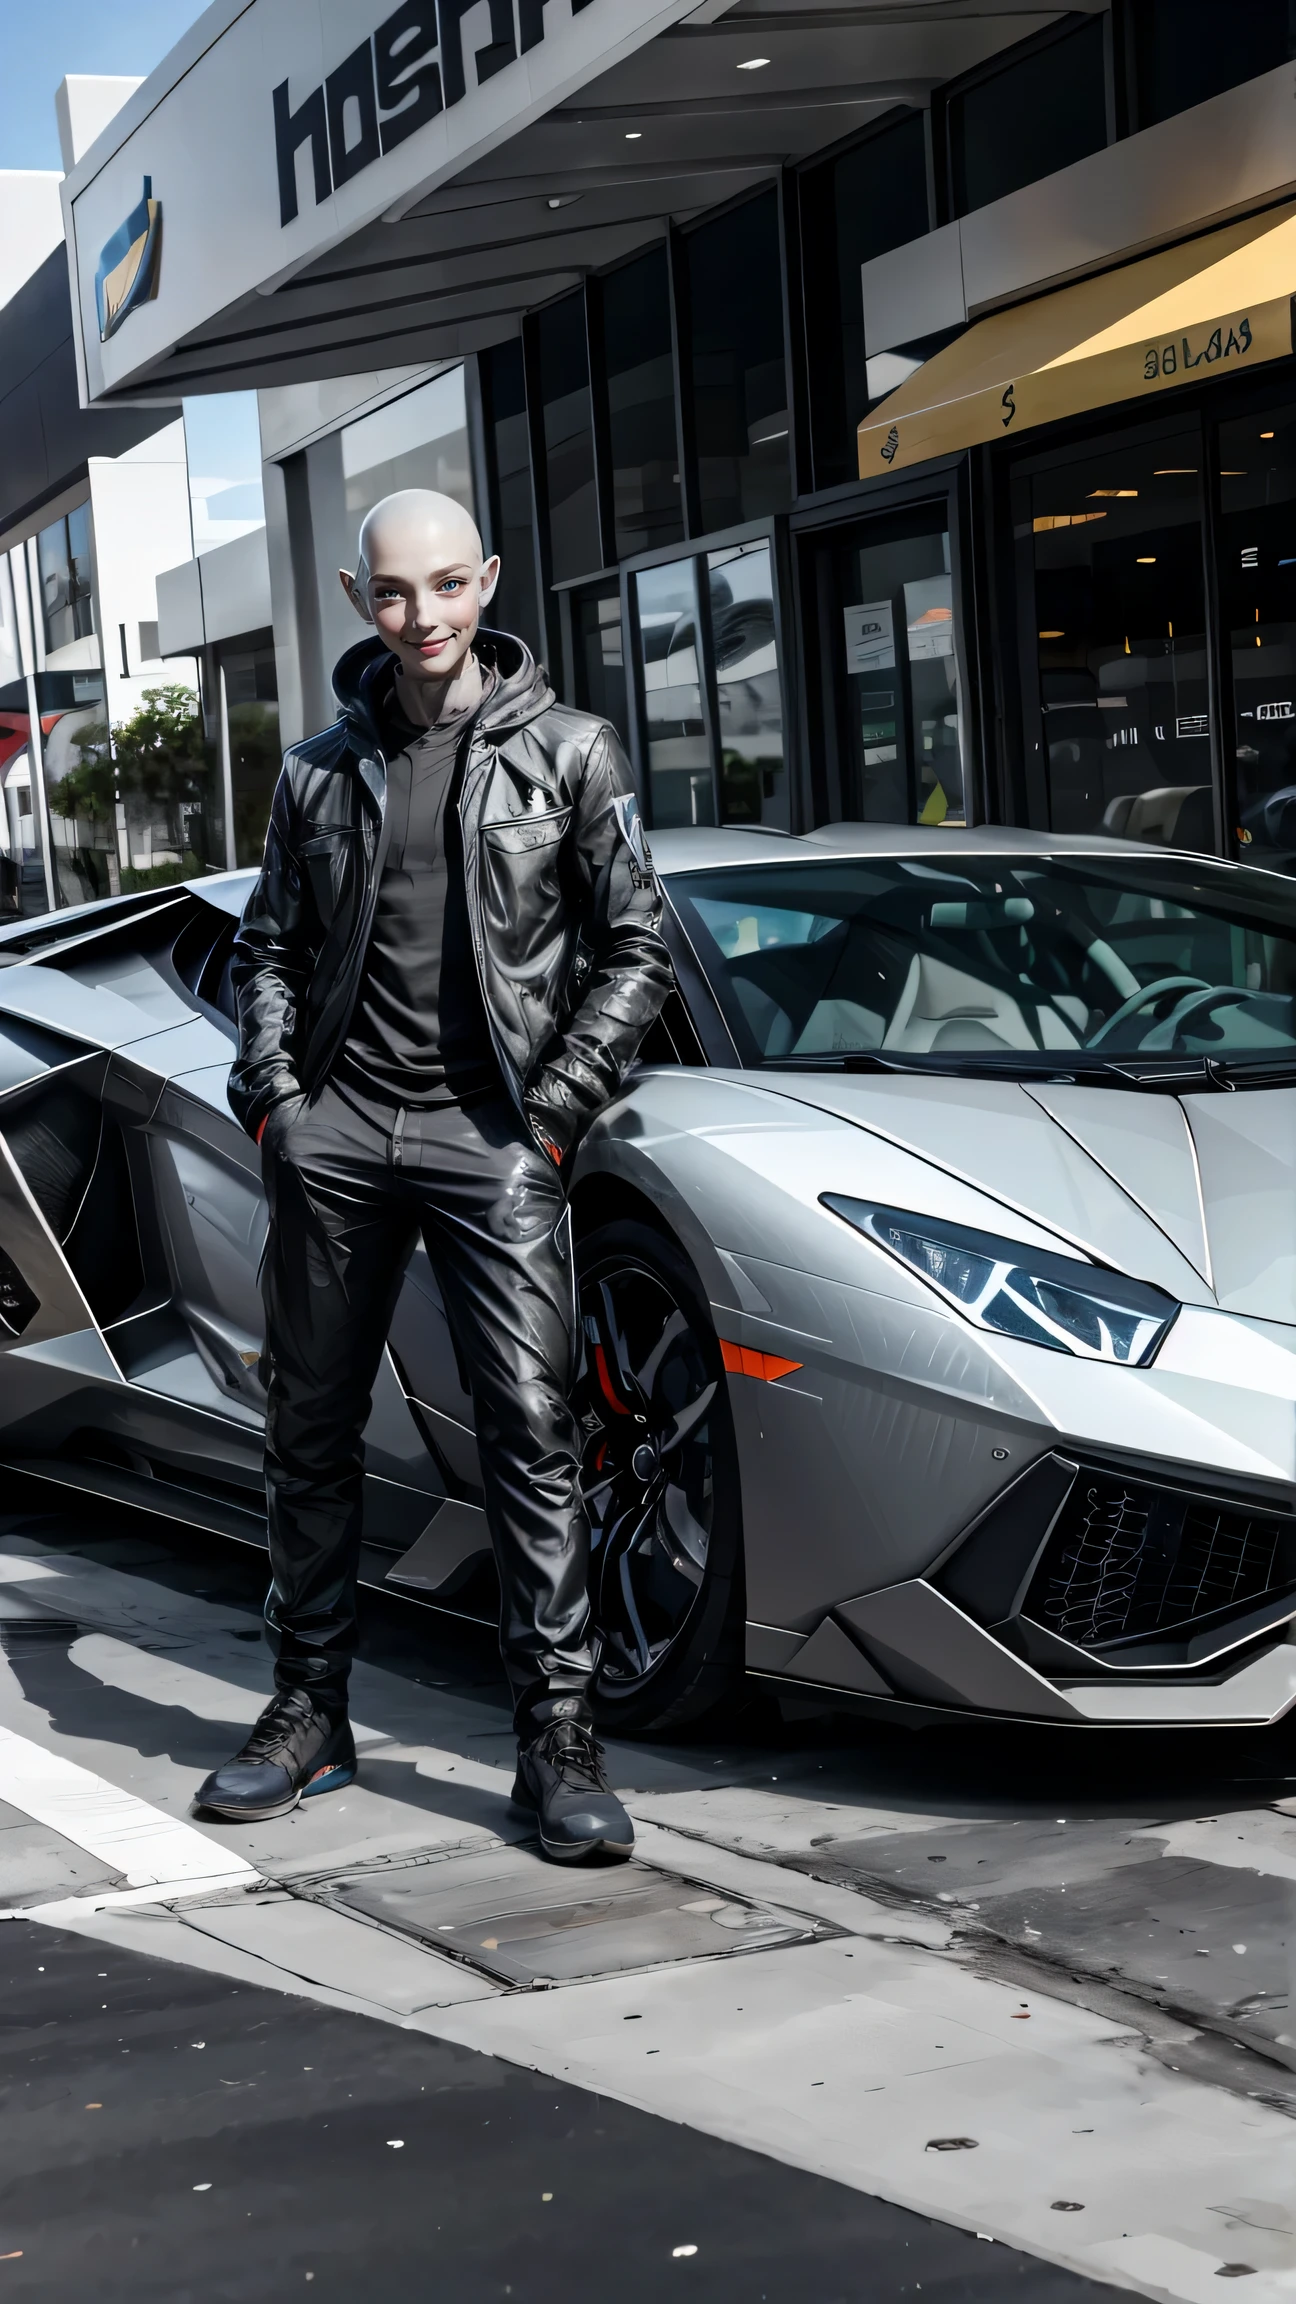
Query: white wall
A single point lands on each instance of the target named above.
(84, 104)
(140, 507)
(31, 224)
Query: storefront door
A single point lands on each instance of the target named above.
(1256, 542)
(885, 719)
(1111, 575)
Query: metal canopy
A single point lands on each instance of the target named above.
(451, 270)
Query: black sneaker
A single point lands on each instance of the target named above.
(294, 1751)
(560, 1775)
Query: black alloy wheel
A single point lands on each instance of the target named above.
(660, 1478)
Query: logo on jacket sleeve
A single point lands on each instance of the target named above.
(635, 838)
(128, 265)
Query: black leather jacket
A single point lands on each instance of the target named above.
(562, 901)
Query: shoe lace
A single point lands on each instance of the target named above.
(573, 1751)
(282, 1718)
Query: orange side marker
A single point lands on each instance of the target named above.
(740, 1360)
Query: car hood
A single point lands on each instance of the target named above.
(1197, 1194)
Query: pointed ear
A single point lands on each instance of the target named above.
(489, 578)
(351, 587)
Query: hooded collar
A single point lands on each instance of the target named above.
(361, 679)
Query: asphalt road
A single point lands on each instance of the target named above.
(967, 2015)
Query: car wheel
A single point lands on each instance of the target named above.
(660, 1478)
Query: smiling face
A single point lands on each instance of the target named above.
(422, 582)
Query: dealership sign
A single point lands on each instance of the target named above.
(277, 129)
(410, 69)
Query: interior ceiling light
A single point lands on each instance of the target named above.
(754, 64)
(1044, 521)
(1175, 472)
(634, 135)
(1113, 491)
(1266, 435)
(1147, 560)
(1052, 635)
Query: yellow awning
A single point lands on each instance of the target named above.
(1208, 308)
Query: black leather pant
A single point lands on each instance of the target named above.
(349, 1192)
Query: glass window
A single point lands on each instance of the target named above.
(871, 198)
(252, 709)
(599, 656)
(887, 624)
(67, 588)
(676, 738)
(508, 454)
(753, 782)
(1183, 51)
(1116, 540)
(1003, 960)
(568, 431)
(223, 448)
(1257, 578)
(736, 357)
(1033, 113)
(640, 371)
(418, 441)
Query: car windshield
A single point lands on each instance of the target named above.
(999, 963)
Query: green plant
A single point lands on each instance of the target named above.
(159, 757)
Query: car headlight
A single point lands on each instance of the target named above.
(1055, 1301)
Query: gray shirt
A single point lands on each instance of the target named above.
(419, 1035)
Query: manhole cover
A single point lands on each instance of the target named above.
(523, 1921)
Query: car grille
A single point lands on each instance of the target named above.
(1128, 1562)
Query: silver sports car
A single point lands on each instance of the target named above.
(936, 1276)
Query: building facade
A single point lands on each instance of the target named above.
(882, 414)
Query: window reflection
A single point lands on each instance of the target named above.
(753, 785)
(739, 375)
(871, 198)
(513, 608)
(567, 425)
(1116, 540)
(1031, 112)
(639, 368)
(675, 733)
(599, 656)
(1257, 563)
(255, 752)
(67, 591)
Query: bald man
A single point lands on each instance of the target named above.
(446, 965)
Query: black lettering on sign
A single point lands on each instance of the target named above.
(1217, 346)
(1008, 403)
(531, 22)
(890, 444)
(392, 84)
(409, 82)
(489, 60)
(352, 115)
(291, 130)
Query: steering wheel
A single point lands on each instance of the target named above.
(1164, 1034)
(1144, 997)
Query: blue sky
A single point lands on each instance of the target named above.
(42, 40)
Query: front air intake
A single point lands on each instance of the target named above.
(18, 1306)
(1128, 1562)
